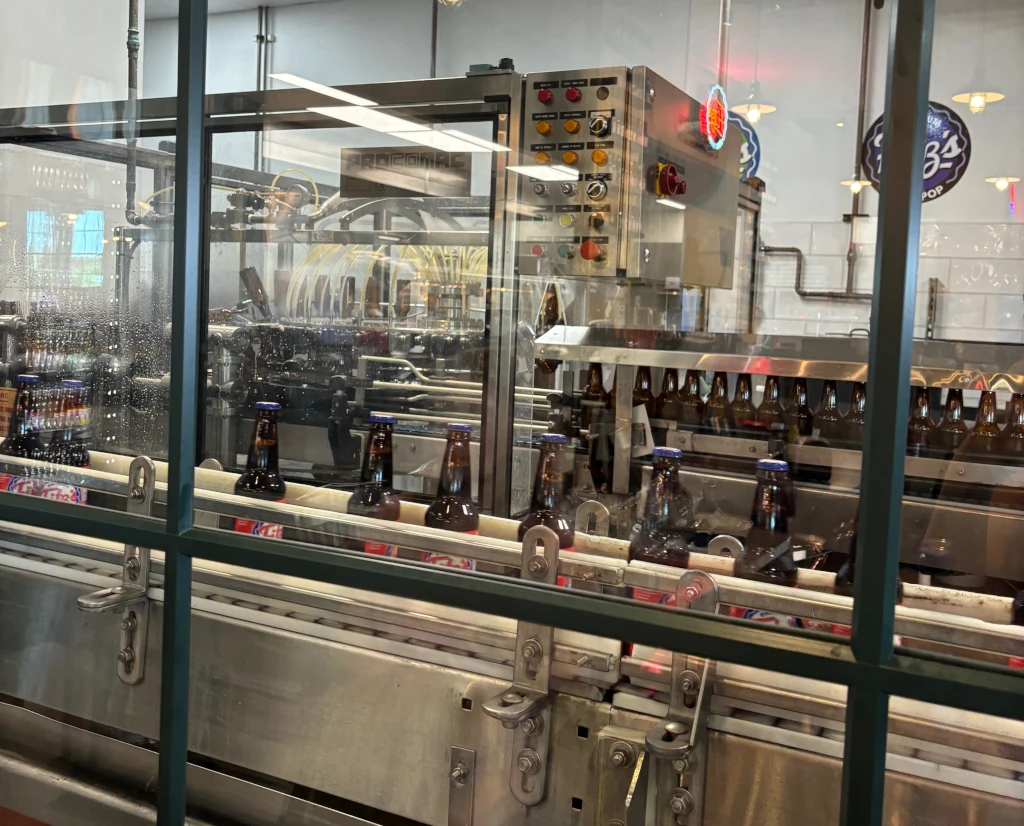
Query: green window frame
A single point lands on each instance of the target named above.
(869, 666)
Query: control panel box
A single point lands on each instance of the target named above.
(574, 127)
(623, 180)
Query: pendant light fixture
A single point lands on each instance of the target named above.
(977, 100)
(753, 109)
(1003, 182)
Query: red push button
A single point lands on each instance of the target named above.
(573, 94)
(590, 251)
(669, 182)
(537, 250)
(545, 96)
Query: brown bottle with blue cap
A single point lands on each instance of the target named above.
(453, 508)
(664, 533)
(262, 479)
(549, 507)
(376, 497)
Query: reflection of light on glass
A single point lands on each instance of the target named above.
(319, 88)
(669, 203)
(555, 172)
(753, 112)
(855, 185)
(1002, 182)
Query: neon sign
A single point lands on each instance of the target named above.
(714, 117)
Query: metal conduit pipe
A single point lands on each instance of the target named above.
(132, 126)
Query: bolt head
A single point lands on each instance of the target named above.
(681, 802)
(531, 725)
(126, 656)
(681, 765)
(129, 624)
(511, 698)
(137, 493)
(532, 651)
(538, 566)
(528, 761)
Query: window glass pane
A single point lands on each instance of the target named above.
(962, 511)
(946, 765)
(503, 252)
(85, 269)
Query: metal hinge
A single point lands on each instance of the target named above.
(130, 596)
(524, 706)
(667, 787)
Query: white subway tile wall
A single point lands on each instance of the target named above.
(977, 271)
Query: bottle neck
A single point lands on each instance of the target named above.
(378, 463)
(771, 390)
(456, 476)
(828, 396)
(986, 409)
(921, 405)
(548, 487)
(743, 391)
(858, 399)
(595, 381)
(263, 448)
(954, 411)
(662, 508)
(799, 393)
(769, 511)
(720, 386)
(670, 384)
(643, 380)
(1015, 418)
(692, 383)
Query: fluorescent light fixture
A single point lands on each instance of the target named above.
(486, 144)
(374, 119)
(557, 172)
(439, 140)
(319, 88)
(673, 204)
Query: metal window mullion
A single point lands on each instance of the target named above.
(892, 327)
(190, 218)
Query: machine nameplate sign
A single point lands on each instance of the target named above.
(7, 396)
(403, 172)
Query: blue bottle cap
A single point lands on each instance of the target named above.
(668, 452)
(73, 383)
(29, 378)
(381, 419)
(776, 465)
(553, 438)
(460, 428)
(267, 406)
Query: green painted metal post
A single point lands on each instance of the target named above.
(190, 218)
(892, 327)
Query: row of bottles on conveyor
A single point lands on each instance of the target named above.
(59, 434)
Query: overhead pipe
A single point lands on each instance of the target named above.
(724, 29)
(133, 43)
(847, 293)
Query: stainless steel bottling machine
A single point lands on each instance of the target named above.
(467, 250)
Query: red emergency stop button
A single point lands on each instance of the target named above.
(590, 251)
(573, 94)
(545, 96)
(669, 182)
(537, 250)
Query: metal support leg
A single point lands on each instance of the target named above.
(524, 705)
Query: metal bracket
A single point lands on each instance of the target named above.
(130, 596)
(461, 777)
(524, 705)
(677, 745)
(592, 508)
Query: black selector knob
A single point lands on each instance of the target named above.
(600, 126)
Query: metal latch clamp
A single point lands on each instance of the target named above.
(668, 786)
(129, 597)
(524, 706)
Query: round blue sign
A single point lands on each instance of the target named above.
(750, 148)
(947, 151)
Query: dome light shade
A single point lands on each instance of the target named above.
(753, 112)
(976, 101)
(1002, 183)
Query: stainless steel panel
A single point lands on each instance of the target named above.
(366, 727)
(758, 783)
(961, 364)
(692, 246)
(40, 741)
(540, 213)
